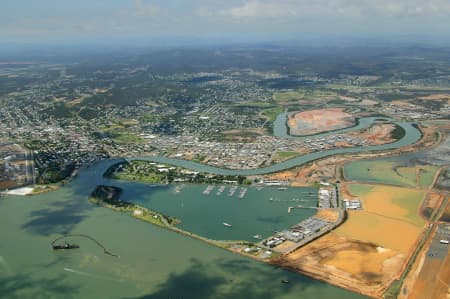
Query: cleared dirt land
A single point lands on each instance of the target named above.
(368, 251)
(377, 134)
(359, 266)
(317, 121)
(395, 203)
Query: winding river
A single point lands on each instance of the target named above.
(412, 135)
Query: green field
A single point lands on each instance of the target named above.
(281, 156)
(390, 172)
(281, 97)
(427, 174)
(359, 189)
(272, 113)
(300, 94)
(254, 105)
(125, 138)
(285, 155)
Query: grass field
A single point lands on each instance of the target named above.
(289, 96)
(302, 94)
(390, 172)
(272, 113)
(254, 105)
(125, 138)
(427, 174)
(281, 156)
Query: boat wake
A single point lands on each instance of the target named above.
(72, 246)
(5, 266)
(91, 275)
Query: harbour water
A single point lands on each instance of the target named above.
(260, 211)
(153, 262)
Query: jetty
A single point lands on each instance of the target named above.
(220, 191)
(208, 190)
(242, 192)
(232, 191)
(301, 207)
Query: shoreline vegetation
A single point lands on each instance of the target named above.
(159, 173)
(109, 197)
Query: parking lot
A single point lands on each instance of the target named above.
(437, 249)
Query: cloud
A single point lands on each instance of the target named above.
(144, 8)
(144, 18)
(296, 9)
(260, 9)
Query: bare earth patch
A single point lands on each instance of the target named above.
(330, 215)
(317, 121)
(359, 266)
(377, 134)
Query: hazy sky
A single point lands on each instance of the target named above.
(66, 20)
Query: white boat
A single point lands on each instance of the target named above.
(227, 224)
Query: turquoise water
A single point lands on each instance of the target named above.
(153, 263)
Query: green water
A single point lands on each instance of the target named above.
(389, 170)
(153, 263)
(254, 214)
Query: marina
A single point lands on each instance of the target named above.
(30, 224)
(201, 217)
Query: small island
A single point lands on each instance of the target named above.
(109, 197)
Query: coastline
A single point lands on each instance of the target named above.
(233, 246)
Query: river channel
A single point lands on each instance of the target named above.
(412, 135)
